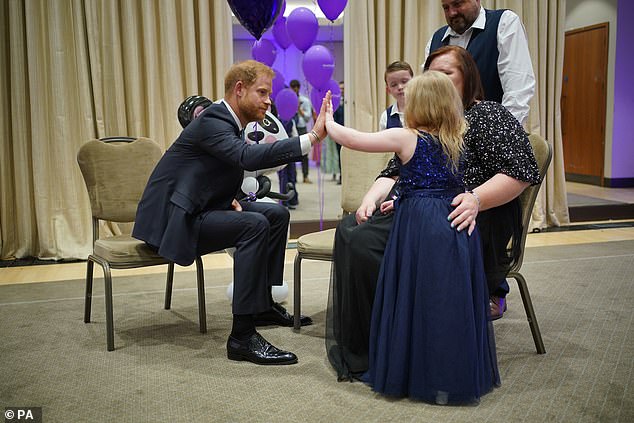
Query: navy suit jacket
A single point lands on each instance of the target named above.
(201, 171)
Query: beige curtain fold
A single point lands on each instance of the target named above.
(378, 32)
(545, 22)
(73, 70)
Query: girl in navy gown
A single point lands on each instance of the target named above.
(430, 338)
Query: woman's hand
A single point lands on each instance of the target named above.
(365, 210)
(465, 212)
(387, 207)
(235, 205)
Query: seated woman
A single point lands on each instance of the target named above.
(499, 166)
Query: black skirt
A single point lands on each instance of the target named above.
(358, 252)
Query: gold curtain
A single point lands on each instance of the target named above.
(380, 31)
(72, 70)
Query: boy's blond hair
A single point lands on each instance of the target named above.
(433, 103)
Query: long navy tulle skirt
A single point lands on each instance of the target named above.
(430, 336)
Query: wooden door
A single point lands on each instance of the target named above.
(583, 100)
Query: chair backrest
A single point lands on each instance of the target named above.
(543, 155)
(116, 171)
(358, 172)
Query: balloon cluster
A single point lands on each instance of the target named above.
(299, 29)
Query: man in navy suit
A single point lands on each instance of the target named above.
(189, 207)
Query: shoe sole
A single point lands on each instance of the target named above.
(240, 357)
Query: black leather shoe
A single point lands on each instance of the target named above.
(278, 315)
(258, 350)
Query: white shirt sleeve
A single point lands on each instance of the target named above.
(294, 132)
(427, 48)
(514, 66)
(304, 143)
(383, 121)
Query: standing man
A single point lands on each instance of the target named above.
(497, 41)
(304, 113)
(189, 209)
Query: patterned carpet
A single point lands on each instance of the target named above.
(164, 370)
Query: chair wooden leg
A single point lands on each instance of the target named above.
(88, 300)
(297, 291)
(202, 310)
(168, 286)
(107, 279)
(530, 312)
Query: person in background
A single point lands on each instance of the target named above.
(304, 114)
(339, 118)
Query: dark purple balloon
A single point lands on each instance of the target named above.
(256, 16)
(264, 51)
(278, 83)
(302, 27)
(286, 102)
(318, 65)
(332, 8)
(317, 95)
(281, 34)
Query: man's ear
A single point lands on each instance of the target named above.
(239, 89)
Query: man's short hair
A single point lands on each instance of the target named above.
(294, 83)
(247, 72)
(399, 65)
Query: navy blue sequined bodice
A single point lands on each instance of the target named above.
(428, 169)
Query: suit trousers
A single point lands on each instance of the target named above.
(258, 234)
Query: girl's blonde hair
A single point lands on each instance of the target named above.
(433, 103)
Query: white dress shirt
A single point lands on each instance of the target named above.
(514, 62)
(393, 111)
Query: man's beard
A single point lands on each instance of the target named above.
(251, 112)
(459, 25)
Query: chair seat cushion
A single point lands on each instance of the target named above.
(320, 243)
(124, 248)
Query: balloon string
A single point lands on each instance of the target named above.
(320, 189)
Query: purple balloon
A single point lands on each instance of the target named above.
(256, 16)
(332, 8)
(317, 95)
(302, 28)
(318, 65)
(278, 83)
(281, 34)
(264, 51)
(286, 102)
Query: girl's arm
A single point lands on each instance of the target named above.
(377, 192)
(398, 140)
(391, 140)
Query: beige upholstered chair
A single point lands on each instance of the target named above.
(116, 171)
(358, 172)
(543, 155)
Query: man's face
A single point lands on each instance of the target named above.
(461, 14)
(448, 64)
(341, 88)
(295, 88)
(395, 83)
(254, 101)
